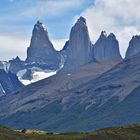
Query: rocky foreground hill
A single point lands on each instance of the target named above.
(117, 133)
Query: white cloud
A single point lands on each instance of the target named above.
(58, 43)
(121, 17)
(48, 8)
(11, 46)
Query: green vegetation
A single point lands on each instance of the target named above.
(131, 132)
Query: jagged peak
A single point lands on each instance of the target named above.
(38, 22)
(135, 40)
(134, 46)
(136, 37)
(81, 19)
(103, 34)
(81, 22)
(40, 25)
(112, 35)
(17, 58)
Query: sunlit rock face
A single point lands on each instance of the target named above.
(78, 48)
(41, 50)
(106, 48)
(134, 46)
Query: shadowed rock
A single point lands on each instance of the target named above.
(106, 48)
(134, 46)
(41, 50)
(78, 48)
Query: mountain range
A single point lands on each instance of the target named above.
(94, 87)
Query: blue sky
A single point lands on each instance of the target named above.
(21, 15)
(17, 18)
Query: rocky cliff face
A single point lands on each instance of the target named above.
(41, 50)
(78, 49)
(134, 46)
(106, 48)
(16, 65)
(8, 82)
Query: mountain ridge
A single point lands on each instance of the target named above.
(106, 48)
(82, 104)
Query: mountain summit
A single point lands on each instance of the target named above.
(41, 49)
(106, 47)
(78, 49)
(134, 46)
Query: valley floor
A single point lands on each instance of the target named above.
(131, 132)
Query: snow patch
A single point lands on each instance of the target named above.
(90, 104)
(1, 89)
(21, 73)
(38, 74)
(4, 65)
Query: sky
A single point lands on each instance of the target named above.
(17, 18)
